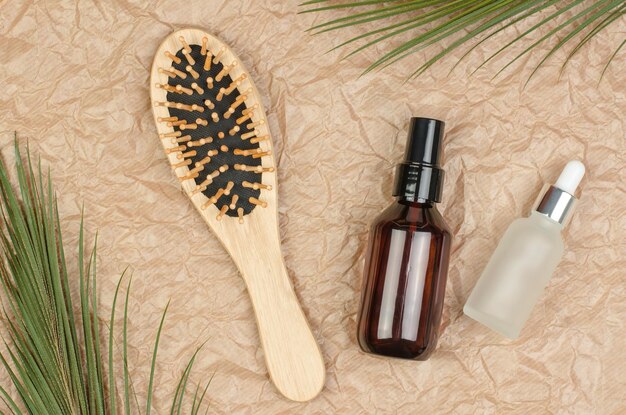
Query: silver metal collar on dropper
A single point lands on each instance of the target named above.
(557, 201)
(556, 204)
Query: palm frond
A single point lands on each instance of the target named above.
(468, 23)
(53, 357)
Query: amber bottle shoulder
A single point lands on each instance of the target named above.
(423, 216)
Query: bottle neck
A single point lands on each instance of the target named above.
(418, 182)
(545, 221)
(419, 208)
(418, 203)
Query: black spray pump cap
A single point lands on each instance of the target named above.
(419, 178)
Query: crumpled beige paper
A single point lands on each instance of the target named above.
(74, 81)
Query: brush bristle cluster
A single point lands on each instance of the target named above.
(215, 129)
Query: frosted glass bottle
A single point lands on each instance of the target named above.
(524, 260)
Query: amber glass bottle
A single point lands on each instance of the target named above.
(407, 261)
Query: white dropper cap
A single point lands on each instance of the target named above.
(571, 176)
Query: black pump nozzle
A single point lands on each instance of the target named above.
(419, 178)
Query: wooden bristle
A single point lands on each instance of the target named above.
(261, 154)
(240, 79)
(240, 215)
(181, 164)
(172, 57)
(223, 210)
(229, 187)
(232, 87)
(258, 202)
(198, 168)
(203, 49)
(187, 154)
(175, 149)
(215, 117)
(200, 142)
(178, 73)
(184, 43)
(194, 74)
(250, 109)
(176, 123)
(209, 202)
(181, 88)
(255, 124)
(259, 139)
(167, 119)
(188, 126)
(179, 106)
(224, 149)
(209, 179)
(168, 73)
(220, 95)
(238, 101)
(201, 187)
(189, 176)
(200, 121)
(197, 88)
(228, 91)
(248, 135)
(233, 106)
(214, 174)
(182, 139)
(213, 199)
(240, 152)
(209, 104)
(256, 186)
(233, 130)
(195, 172)
(166, 87)
(198, 108)
(233, 202)
(221, 135)
(225, 70)
(203, 161)
(190, 58)
(209, 82)
(218, 55)
(244, 118)
(256, 169)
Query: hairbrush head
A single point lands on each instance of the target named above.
(212, 125)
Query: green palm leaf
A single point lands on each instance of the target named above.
(468, 23)
(52, 370)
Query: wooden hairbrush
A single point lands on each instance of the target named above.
(212, 125)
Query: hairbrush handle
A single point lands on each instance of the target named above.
(293, 358)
